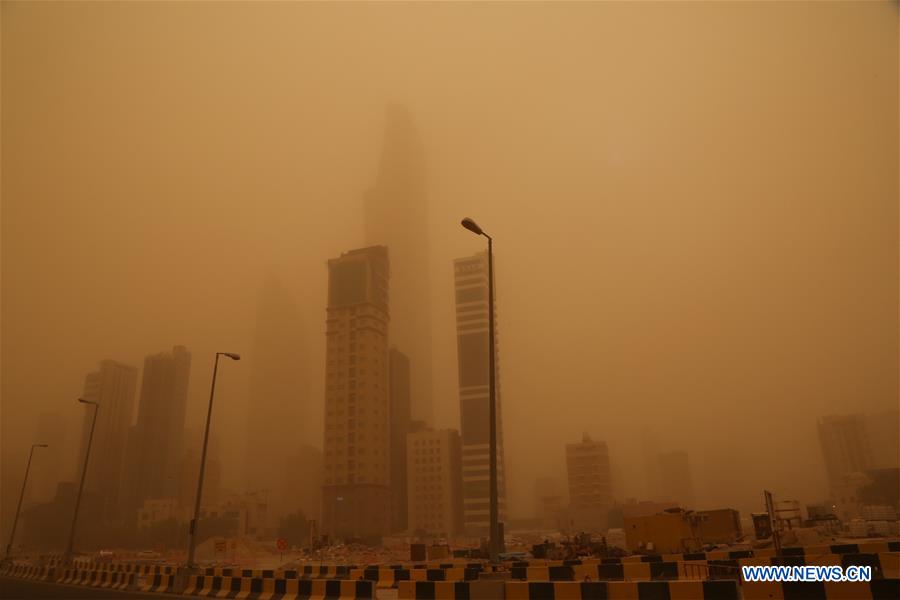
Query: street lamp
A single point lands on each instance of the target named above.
(87, 456)
(193, 530)
(21, 496)
(494, 515)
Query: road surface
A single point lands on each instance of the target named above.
(26, 589)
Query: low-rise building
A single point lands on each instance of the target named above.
(719, 526)
(435, 477)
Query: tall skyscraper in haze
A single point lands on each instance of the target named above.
(471, 284)
(158, 444)
(396, 216)
(845, 446)
(113, 387)
(675, 473)
(355, 493)
(278, 411)
(398, 382)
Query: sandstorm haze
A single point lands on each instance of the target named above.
(695, 209)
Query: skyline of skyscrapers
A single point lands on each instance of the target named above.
(471, 289)
(356, 490)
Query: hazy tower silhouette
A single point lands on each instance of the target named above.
(113, 386)
(159, 433)
(396, 216)
(279, 398)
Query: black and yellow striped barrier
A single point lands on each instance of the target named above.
(257, 588)
(451, 590)
(877, 589)
(636, 590)
(390, 578)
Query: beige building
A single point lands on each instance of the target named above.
(355, 491)
(663, 533)
(590, 491)
(435, 478)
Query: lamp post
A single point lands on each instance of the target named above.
(192, 545)
(21, 496)
(87, 456)
(494, 545)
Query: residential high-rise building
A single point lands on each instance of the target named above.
(356, 488)
(845, 446)
(396, 216)
(675, 474)
(279, 385)
(434, 468)
(158, 444)
(113, 387)
(399, 399)
(590, 488)
(471, 284)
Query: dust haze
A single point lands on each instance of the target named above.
(694, 208)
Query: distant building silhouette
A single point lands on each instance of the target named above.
(677, 483)
(435, 477)
(401, 421)
(650, 457)
(156, 442)
(549, 502)
(396, 216)
(45, 477)
(471, 285)
(279, 404)
(845, 446)
(113, 386)
(356, 491)
(590, 486)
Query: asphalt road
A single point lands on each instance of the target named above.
(25, 589)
